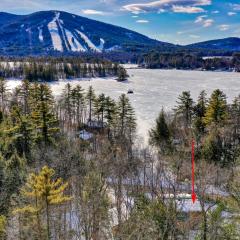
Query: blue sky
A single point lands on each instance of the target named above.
(176, 21)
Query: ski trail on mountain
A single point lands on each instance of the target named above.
(74, 43)
(40, 36)
(68, 38)
(53, 29)
(88, 42)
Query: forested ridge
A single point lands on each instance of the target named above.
(188, 60)
(53, 69)
(72, 167)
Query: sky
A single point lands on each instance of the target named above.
(176, 21)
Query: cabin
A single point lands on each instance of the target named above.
(95, 124)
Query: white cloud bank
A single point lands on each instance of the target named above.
(204, 21)
(142, 21)
(224, 27)
(92, 12)
(180, 6)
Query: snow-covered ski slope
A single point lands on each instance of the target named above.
(75, 41)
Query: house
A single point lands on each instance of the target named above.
(94, 124)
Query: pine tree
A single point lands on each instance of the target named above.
(213, 148)
(126, 124)
(122, 74)
(42, 192)
(21, 132)
(185, 108)
(110, 111)
(3, 94)
(24, 94)
(99, 108)
(126, 117)
(90, 97)
(78, 103)
(216, 111)
(199, 113)
(12, 173)
(67, 103)
(42, 114)
(235, 117)
(160, 134)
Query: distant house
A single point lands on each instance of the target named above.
(176, 141)
(94, 124)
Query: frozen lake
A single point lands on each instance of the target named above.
(154, 89)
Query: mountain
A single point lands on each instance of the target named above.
(226, 44)
(62, 32)
(6, 18)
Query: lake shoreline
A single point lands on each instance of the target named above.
(153, 89)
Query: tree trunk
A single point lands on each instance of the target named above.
(48, 220)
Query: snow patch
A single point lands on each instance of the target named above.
(60, 22)
(88, 42)
(84, 135)
(75, 45)
(101, 46)
(53, 29)
(40, 36)
(29, 30)
(114, 48)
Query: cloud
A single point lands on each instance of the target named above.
(215, 12)
(231, 13)
(204, 22)
(73, 6)
(223, 27)
(180, 33)
(142, 21)
(200, 19)
(235, 7)
(183, 6)
(208, 23)
(92, 12)
(134, 16)
(161, 10)
(194, 36)
(187, 9)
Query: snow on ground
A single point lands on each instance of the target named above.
(70, 39)
(113, 48)
(75, 45)
(84, 135)
(40, 34)
(53, 29)
(186, 205)
(213, 57)
(88, 41)
(60, 22)
(130, 66)
(101, 46)
(154, 89)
